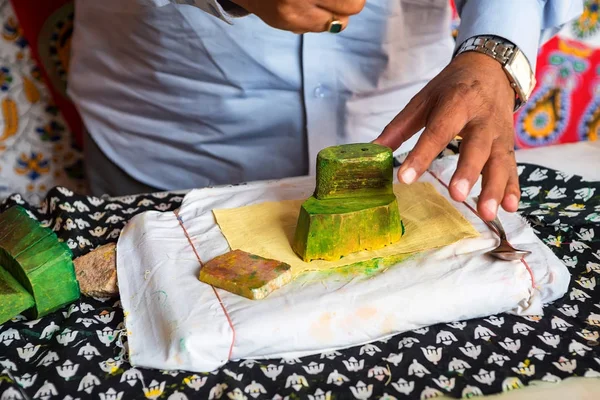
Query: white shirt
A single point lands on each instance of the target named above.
(185, 95)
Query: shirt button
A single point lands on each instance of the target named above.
(322, 91)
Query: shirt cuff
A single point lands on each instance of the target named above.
(518, 21)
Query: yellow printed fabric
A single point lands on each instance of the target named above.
(267, 229)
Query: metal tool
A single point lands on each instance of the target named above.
(505, 251)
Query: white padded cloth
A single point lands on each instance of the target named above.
(174, 321)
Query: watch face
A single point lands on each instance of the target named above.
(521, 72)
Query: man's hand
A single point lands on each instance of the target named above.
(301, 16)
(471, 98)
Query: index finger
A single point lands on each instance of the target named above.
(446, 120)
(408, 122)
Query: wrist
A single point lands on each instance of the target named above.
(514, 63)
(490, 71)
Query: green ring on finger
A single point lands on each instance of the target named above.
(335, 26)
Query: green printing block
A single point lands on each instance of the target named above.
(246, 274)
(38, 261)
(14, 298)
(354, 207)
(354, 170)
(331, 229)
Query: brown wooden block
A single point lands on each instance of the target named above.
(246, 274)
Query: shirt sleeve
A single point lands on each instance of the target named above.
(225, 10)
(526, 23)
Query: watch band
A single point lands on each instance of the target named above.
(505, 52)
(493, 46)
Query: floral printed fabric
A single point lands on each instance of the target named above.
(78, 352)
(36, 149)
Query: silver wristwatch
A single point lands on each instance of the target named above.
(515, 64)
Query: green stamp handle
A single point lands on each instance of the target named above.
(354, 170)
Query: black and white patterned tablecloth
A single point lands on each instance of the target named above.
(79, 351)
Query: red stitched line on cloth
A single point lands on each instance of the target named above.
(489, 226)
(185, 232)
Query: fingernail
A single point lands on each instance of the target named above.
(513, 199)
(463, 187)
(408, 176)
(491, 205)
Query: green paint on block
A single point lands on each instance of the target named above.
(353, 208)
(38, 261)
(354, 170)
(14, 299)
(333, 228)
(367, 268)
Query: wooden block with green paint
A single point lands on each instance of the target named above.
(354, 207)
(333, 228)
(38, 261)
(354, 170)
(14, 299)
(246, 274)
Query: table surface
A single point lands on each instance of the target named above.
(582, 158)
(79, 351)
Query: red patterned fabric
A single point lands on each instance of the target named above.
(565, 106)
(48, 25)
